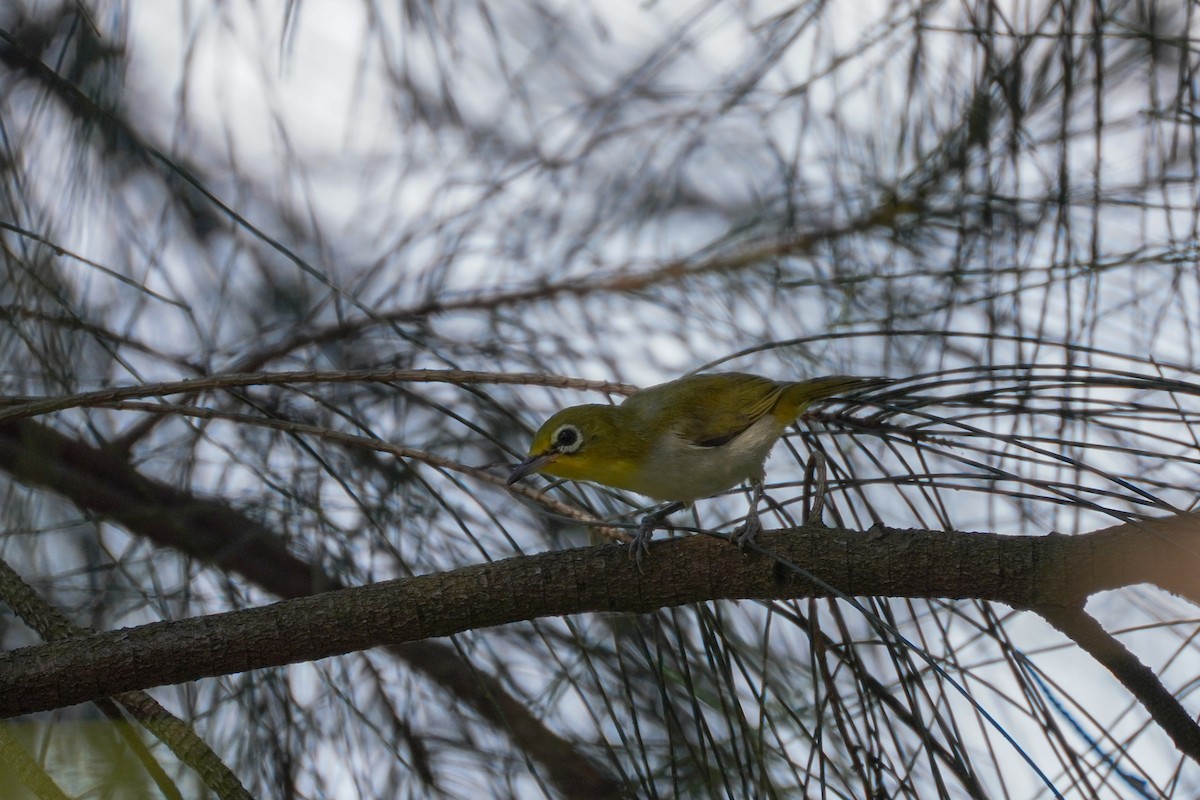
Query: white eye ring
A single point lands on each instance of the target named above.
(567, 439)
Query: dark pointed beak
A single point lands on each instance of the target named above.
(530, 465)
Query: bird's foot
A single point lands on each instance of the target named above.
(745, 534)
(640, 545)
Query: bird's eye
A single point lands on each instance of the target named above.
(567, 439)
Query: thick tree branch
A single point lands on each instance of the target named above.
(106, 485)
(1021, 571)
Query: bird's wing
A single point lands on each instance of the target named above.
(712, 409)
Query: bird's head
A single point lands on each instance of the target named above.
(583, 443)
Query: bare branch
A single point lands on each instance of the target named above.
(1021, 571)
(1135, 676)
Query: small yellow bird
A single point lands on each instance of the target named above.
(680, 441)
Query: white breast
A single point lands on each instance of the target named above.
(679, 470)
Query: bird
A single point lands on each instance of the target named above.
(680, 441)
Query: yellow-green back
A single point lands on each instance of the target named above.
(711, 409)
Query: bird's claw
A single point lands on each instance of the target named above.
(744, 535)
(640, 545)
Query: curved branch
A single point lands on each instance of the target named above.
(1140, 680)
(190, 386)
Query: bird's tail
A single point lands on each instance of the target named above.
(800, 395)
